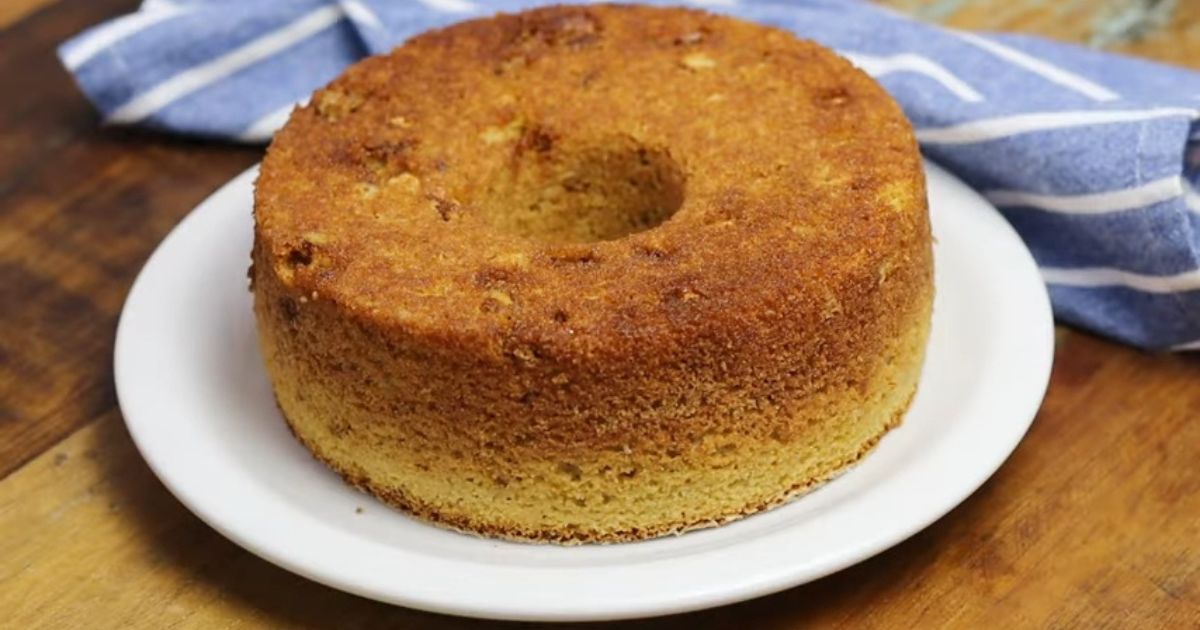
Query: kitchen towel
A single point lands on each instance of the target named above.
(1092, 157)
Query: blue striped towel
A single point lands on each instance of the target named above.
(1092, 157)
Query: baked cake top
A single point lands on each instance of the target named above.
(593, 179)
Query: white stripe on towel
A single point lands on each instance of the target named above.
(451, 6)
(262, 129)
(1047, 71)
(1191, 345)
(1105, 277)
(107, 35)
(1149, 193)
(361, 13)
(1191, 197)
(1004, 126)
(204, 74)
(908, 62)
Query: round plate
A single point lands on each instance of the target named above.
(197, 401)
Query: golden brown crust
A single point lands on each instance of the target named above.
(805, 155)
(571, 254)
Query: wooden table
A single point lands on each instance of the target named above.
(1093, 522)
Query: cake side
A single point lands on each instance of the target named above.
(589, 458)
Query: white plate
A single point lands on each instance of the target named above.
(199, 406)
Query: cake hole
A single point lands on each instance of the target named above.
(333, 104)
(536, 138)
(589, 78)
(385, 159)
(683, 294)
(653, 253)
(572, 254)
(301, 255)
(565, 192)
(446, 209)
(367, 190)
(691, 37)
(491, 276)
(573, 27)
(291, 310)
(571, 470)
(833, 97)
(525, 354)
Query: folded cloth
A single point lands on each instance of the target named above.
(1092, 157)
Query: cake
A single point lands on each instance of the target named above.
(593, 274)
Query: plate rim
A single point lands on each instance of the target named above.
(764, 584)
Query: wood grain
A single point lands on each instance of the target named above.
(12, 11)
(1164, 30)
(81, 207)
(1093, 522)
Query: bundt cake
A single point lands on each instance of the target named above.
(593, 274)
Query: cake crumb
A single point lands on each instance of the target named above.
(698, 61)
(507, 133)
